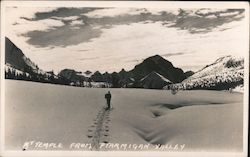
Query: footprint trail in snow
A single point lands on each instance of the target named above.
(99, 130)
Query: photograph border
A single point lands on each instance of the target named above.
(150, 4)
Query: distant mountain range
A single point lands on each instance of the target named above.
(154, 72)
(151, 73)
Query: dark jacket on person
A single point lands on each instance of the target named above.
(108, 96)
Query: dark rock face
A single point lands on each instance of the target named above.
(15, 57)
(160, 65)
(123, 74)
(107, 77)
(97, 77)
(188, 73)
(19, 67)
(154, 81)
(127, 82)
(71, 75)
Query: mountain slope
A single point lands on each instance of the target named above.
(188, 73)
(161, 66)
(15, 57)
(226, 72)
(154, 81)
(18, 66)
(71, 75)
(155, 67)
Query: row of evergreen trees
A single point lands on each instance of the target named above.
(115, 80)
(35, 77)
(48, 77)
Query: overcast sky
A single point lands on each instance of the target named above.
(109, 39)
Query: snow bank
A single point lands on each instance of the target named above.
(239, 88)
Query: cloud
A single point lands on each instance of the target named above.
(211, 16)
(69, 18)
(88, 58)
(205, 20)
(93, 20)
(63, 13)
(218, 12)
(66, 38)
(39, 27)
(82, 50)
(51, 27)
(135, 60)
(208, 11)
(226, 14)
(42, 25)
(172, 54)
(77, 22)
(112, 12)
(62, 36)
(18, 22)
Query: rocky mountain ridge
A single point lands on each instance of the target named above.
(154, 72)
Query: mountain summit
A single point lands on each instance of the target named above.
(159, 65)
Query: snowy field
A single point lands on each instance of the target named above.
(192, 120)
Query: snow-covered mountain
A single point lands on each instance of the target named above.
(18, 66)
(226, 72)
(15, 58)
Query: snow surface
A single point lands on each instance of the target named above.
(239, 88)
(217, 67)
(204, 121)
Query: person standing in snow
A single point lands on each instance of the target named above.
(108, 98)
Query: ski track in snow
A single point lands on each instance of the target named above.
(99, 130)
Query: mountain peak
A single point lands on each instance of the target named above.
(160, 65)
(156, 58)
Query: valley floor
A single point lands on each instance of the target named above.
(69, 116)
